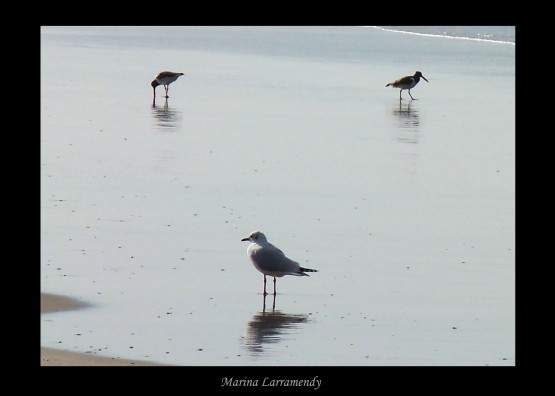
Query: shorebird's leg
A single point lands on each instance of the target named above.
(274, 285)
(400, 92)
(274, 304)
(265, 285)
(410, 95)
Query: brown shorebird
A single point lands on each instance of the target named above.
(407, 82)
(164, 78)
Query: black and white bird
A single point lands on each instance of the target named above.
(407, 82)
(164, 78)
(271, 261)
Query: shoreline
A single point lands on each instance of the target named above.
(50, 303)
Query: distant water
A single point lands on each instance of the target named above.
(499, 34)
(355, 44)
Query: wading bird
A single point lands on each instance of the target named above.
(407, 82)
(164, 78)
(271, 261)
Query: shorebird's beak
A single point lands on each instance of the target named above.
(246, 239)
(424, 78)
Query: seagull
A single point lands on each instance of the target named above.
(164, 78)
(407, 82)
(271, 261)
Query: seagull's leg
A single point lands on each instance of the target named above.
(274, 286)
(265, 285)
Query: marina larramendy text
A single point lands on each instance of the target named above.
(267, 381)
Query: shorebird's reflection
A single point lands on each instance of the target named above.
(269, 327)
(165, 117)
(409, 121)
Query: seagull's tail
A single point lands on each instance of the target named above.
(303, 270)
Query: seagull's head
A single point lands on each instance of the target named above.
(255, 237)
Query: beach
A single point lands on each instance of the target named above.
(405, 207)
(55, 357)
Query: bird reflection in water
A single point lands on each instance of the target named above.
(165, 117)
(409, 121)
(270, 327)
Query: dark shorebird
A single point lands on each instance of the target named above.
(407, 82)
(164, 78)
(271, 261)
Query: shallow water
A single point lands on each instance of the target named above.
(406, 209)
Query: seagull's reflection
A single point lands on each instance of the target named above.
(269, 327)
(409, 121)
(165, 117)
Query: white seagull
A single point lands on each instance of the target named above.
(271, 261)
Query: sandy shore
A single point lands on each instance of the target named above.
(55, 357)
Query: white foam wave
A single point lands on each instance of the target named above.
(441, 35)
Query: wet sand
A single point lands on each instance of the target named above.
(54, 357)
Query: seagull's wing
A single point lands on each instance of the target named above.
(272, 260)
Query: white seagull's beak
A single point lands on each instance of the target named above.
(246, 239)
